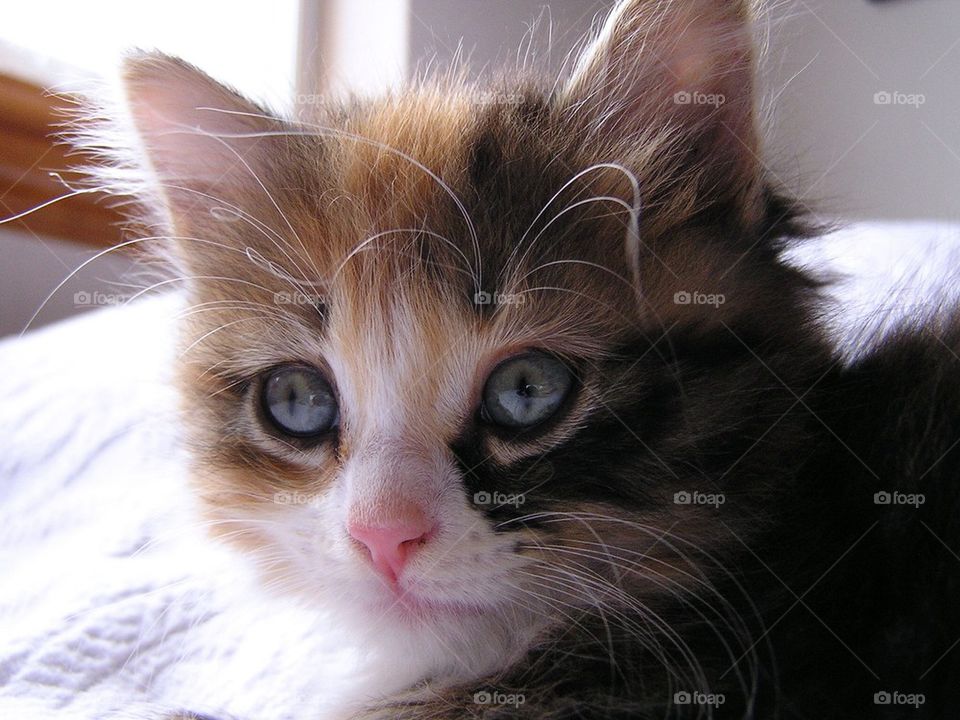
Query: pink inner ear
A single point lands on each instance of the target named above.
(692, 68)
(650, 51)
(703, 55)
(675, 77)
(185, 118)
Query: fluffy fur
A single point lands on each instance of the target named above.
(359, 238)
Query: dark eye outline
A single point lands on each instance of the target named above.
(270, 423)
(513, 431)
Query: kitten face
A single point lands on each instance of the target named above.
(399, 254)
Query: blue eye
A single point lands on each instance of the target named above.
(525, 390)
(299, 401)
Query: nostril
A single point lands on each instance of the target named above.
(415, 542)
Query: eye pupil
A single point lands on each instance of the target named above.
(525, 390)
(298, 401)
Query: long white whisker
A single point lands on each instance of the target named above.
(416, 231)
(567, 209)
(585, 263)
(48, 203)
(273, 201)
(85, 263)
(218, 329)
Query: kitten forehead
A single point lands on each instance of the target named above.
(401, 156)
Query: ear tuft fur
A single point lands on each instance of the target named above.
(678, 75)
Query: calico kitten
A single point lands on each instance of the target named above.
(526, 388)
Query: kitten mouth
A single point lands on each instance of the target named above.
(415, 607)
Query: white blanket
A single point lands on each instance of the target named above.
(111, 597)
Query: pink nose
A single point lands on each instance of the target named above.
(391, 542)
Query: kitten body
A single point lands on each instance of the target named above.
(692, 530)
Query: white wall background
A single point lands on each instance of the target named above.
(68, 46)
(839, 149)
(489, 32)
(30, 268)
(248, 43)
(827, 140)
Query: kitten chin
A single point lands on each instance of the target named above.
(524, 391)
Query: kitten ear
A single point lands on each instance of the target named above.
(203, 141)
(675, 73)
